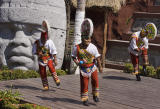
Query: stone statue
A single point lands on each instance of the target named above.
(20, 23)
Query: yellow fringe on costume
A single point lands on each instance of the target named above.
(84, 98)
(58, 81)
(45, 88)
(96, 94)
(135, 73)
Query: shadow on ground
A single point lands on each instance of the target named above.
(118, 78)
(68, 100)
(25, 87)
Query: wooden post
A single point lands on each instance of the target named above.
(105, 39)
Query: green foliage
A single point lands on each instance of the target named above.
(11, 100)
(1, 77)
(128, 68)
(141, 70)
(17, 74)
(4, 67)
(7, 74)
(60, 72)
(49, 73)
(9, 97)
(150, 71)
(32, 74)
(31, 106)
(26, 106)
(10, 106)
(23, 106)
(158, 72)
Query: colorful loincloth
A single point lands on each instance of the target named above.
(87, 71)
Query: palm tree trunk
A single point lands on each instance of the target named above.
(67, 57)
(79, 17)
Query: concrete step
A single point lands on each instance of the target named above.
(114, 66)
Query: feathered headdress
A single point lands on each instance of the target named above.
(87, 28)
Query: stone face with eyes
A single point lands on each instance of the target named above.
(19, 39)
(18, 31)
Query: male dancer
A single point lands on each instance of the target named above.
(46, 51)
(139, 47)
(85, 56)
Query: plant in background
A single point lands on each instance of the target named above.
(128, 68)
(141, 70)
(49, 73)
(9, 97)
(6, 74)
(27, 106)
(60, 72)
(31, 74)
(1, 77)
(151, 72)
(10, 106)
(31, 106)
(158, 72)
(12, 100)
(4, 67)
(20, 74)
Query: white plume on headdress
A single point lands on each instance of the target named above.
(85, 29)
(48, 27)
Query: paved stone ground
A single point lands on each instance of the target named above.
(117, 91)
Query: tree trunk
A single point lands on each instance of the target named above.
(79, 17)
(68, 10)
(67, 57)
(105, 40)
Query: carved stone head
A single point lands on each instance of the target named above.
(20, 21)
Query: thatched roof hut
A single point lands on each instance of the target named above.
(98, 11)
(105, 5)
(115, 5)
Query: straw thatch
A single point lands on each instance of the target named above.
(115, 5)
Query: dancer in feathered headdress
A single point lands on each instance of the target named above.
(85, 55)
(46, 51)
(139, 47)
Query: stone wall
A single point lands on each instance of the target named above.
(117, 53)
